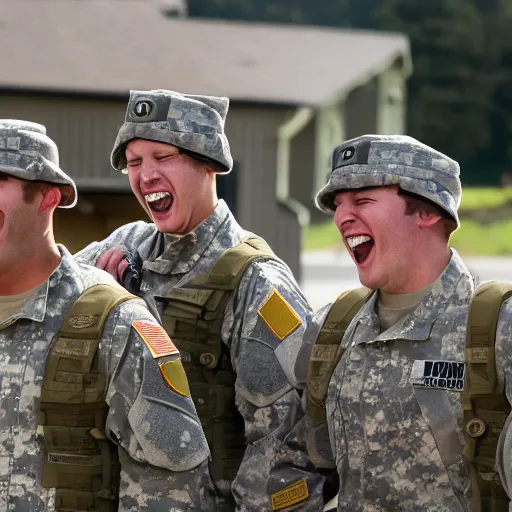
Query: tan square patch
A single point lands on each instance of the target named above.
(279, 316)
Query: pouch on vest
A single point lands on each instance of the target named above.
(78, 461)
(192, 317)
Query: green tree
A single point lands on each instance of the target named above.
(451, 89)
(320, 12)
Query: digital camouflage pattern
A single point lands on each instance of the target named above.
(382, 160)
(266, 379)
(503, 356)
(394, 404)
(27, 153)
(162, 448)
(191, 122)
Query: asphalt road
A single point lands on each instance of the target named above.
(326, 274)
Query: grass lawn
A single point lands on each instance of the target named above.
(479, 198)
(472, 238)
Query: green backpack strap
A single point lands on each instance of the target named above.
(486, 407)
(327, 352)
(193, 319)
(78, 461)
(229, 268)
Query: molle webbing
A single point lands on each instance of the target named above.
(486, 407)
(79, 462)
(193, 319)
(327, 351)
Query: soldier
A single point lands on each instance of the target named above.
(84, 365)
(399, 405)
(229, 304)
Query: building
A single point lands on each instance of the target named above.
(295, 93)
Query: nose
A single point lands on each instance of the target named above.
(149, 174)
(343, 216)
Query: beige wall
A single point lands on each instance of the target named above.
(94, 218)
(85, 129)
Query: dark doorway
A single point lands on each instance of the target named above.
(227, 188)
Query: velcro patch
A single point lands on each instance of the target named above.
(447, 375)
(292, 495)
(156, 339)
(174, 374)
(279, 316)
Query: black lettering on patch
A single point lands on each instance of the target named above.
(447, 375)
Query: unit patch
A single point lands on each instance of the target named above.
(279, 316)
(292, 495)
(82, 321)
(174, 374)
(447, 375)
(156, 339)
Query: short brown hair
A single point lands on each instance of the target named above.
(416, 204)
(32, 188)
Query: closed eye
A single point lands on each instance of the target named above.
(364, 200)
(163, 158)
(134, 163)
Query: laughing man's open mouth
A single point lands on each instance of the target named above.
(361, 246)
(159, 201)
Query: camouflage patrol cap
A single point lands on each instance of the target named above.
(383, 160)
(27, 153)
(189, 122)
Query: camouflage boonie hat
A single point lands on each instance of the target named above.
(383, 160)
(189, 122)
(27, 153)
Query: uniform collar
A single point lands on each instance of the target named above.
(36, 308)
(180, 254)
(455, 281)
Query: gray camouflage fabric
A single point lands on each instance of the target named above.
(382, 160)
(265, 387)
(27, 153)
(395, 442)
(162, 448)
(191, 122)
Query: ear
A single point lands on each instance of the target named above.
(51, 198)
(426, 220)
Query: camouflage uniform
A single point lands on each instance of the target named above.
(162, 448)
(266, 394)
(395, 425)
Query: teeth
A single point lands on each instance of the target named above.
(156, 196)
(354, 241)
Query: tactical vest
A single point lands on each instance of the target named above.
(79, 462)
(485, 405)
(192, 317)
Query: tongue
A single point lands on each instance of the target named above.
(362, 251)
(161, 205)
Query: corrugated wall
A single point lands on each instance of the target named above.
(360, 110)
(85, 129)
(252, 132)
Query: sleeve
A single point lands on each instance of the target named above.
(264, 330)
(503, 357)
(129, 238)
(162, 449)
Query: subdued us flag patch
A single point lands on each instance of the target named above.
(156, 339)
(447, 375)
